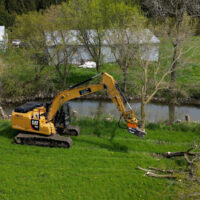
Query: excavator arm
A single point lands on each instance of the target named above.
(112, 88)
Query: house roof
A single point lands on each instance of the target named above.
(72, 37)
(2, 33)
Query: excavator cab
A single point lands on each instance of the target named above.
(62, 117)
(62, 121)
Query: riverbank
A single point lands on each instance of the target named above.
(136, 98)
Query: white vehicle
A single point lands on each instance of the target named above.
(88, 64)
(16, 43)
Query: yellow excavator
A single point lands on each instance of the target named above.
(42, 124)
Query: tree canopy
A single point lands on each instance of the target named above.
(10, 8)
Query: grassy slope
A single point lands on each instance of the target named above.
(100, 165)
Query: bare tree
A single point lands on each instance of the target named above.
(178, 23)
(93, 42)
(151, 77)
(180, 32)
(132, 47)
(155, 76)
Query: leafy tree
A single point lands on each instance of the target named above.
(59, 42)
(92, 18)
(87, 18)
(10, 8)
(29, 28)
(25, 66)
(5, 17)
(40, 33)
(19, 76)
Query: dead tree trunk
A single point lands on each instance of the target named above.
(3, 115)
(125, 78)
(143, 115)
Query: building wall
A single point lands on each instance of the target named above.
(81, 54)
(3, 38)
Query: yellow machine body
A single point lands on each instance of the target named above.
(33, 121)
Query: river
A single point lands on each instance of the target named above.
(154, 112)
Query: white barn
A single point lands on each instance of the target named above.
(3, 38)
(146, 39)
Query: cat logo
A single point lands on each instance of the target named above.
(35, 124)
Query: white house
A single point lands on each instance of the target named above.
(147, 40)
(3, 38)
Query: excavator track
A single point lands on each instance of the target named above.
(69, 130)
(72, 130)
(48, 141)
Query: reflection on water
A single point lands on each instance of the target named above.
(154, 112)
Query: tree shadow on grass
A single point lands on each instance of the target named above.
(6, 130)
(100, 130)
(112, 146)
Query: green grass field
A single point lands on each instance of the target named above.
(101, 164)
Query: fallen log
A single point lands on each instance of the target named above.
(181, 153)
(151, 172)
(153, 169)
(160, 175)
(176, 154)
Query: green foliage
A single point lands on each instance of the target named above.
(99, 14)
(183, 127)
(19, 76)
(10, 8)
(6, 18)
(30, 28)
(78, 74)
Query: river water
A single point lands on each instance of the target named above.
(154, 112)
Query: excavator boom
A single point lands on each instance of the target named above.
(114, 91)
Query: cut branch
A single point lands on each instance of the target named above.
(177, 154)
(189, 162)
(143, 169)
(160, 176)
(161, 170)
(151, 172)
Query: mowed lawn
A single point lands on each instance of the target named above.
(101, 164)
